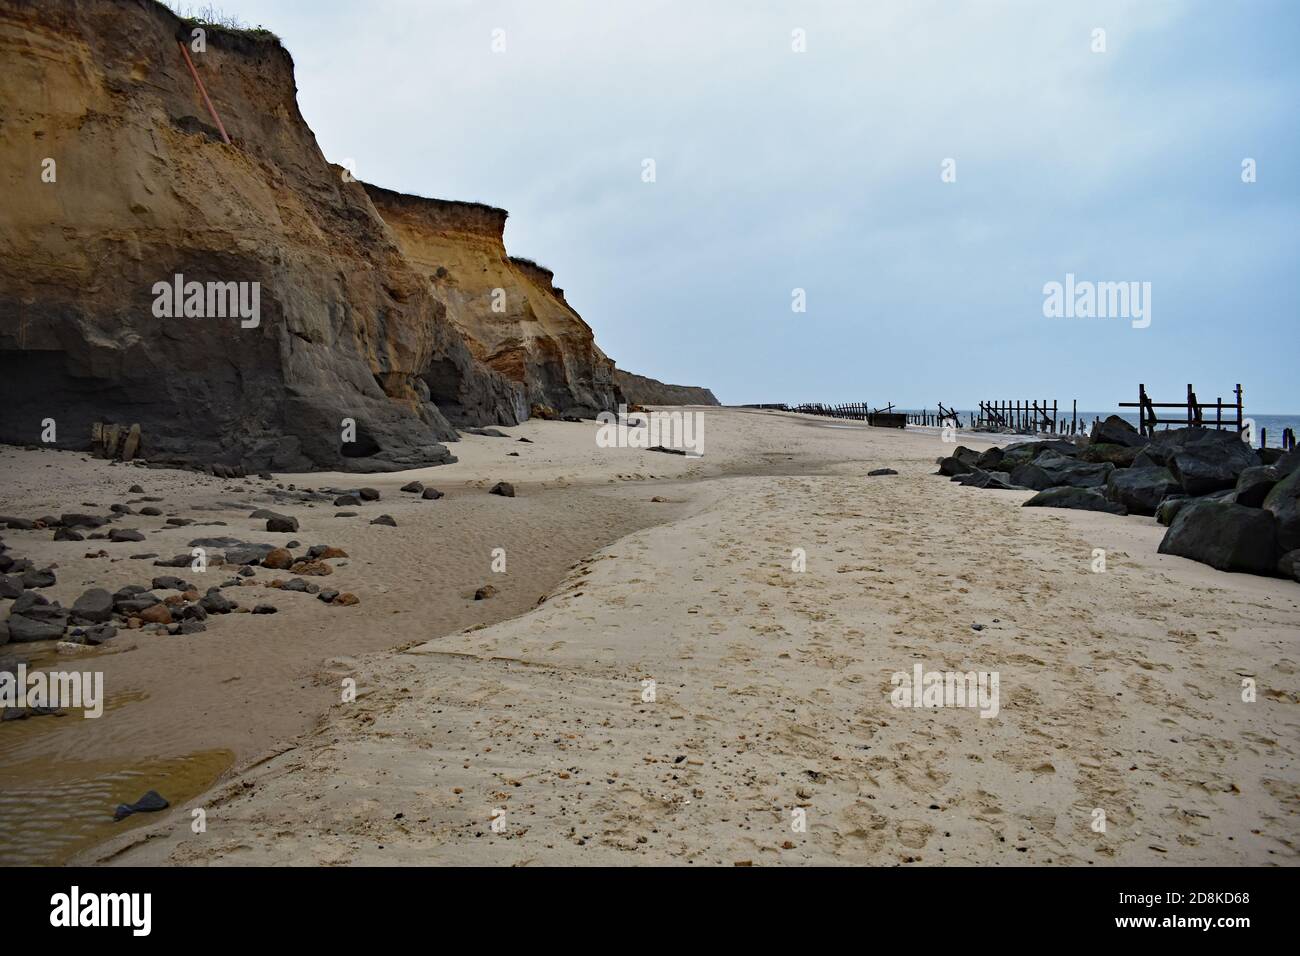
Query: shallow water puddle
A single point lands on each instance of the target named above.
(50, 810)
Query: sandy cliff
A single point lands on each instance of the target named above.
(526, 330)
(649, 391)
(144, 189)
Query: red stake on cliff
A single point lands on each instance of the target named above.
(211, 109)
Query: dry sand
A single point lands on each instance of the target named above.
(1119, 691)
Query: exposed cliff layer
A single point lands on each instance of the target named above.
(509, 309)
(648, 391)
(115, 180)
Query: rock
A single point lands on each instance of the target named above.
(67, 534)
(1288, 566)
(346, 599)
(4, 633)
(192, 612)
(528, 440)
(248, 553)
(191, 627)
(317, 568)
(1121, 456)
(1083, 499)
(1116, 431)
(282, 523)
(1254, 484)
(121, 509)
(1140, 490)
(278, 559)
(1224, 535)
(125, 534)
(43, 578)
(324, 552)
(1169, 507)
(261, 514)
(19, 524)
(1287, 463)
(881, 471)
(1202, 459)
(179, 561)
(1023, 453)
(99, 634)
(1283, 502)
(180, 522)
(215, 603)
(265, 609)
(1054, 470)
(954, 466)
(94, 606)
(485, 592)
(990, 460)
(369, 494)
(658, 498)
(431, 494)
(168, 582)
(135, 490)
(345, 514)
(151, 511)
(327, 595)
(640, 390)
(24, 629)
(413, 486)
(156, 614)
(996, 480)
(346, 501)
(503, 488)
(385, 520)
(151, 802)
(10, 587)
(82, 521)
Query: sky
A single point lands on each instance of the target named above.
(825, 170)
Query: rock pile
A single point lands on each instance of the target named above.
(1225, 504)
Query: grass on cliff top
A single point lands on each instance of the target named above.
(210, 18)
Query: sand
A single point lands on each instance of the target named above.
(502, 733)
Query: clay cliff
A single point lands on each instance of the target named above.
(648, 391)
(115, 179)
(514, 318)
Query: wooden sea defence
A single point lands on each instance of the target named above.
(1193, 412)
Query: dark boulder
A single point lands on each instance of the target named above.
(94, 607)
(1287, 463)
(1202, 459)
(1224, 535)
(1254, 484)
(1081, 499)
(431, 494)
(1116, 431)
(10, 587)
(282, 523)
(151, 802)
(1140, 490)
(881, 471)
(1015, 455)
(502, 488)
(1121, 456)
(125, 534)
(990, 459)
(215, 603)
(1168, 509)
(346, 501)
(952, 466)
(43, 578)
(413, 486)
(1053, 470)
(1288, 566)
(369, 494)
(1283, 502)
(385, 520)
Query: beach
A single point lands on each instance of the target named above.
(683, 695)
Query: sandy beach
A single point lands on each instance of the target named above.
(682, 695)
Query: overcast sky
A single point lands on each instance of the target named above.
(821, 170)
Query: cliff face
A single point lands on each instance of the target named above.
(648, 391)
(144, 189)
(514, 318)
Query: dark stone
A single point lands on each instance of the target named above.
(121, 509)
(25, 628)
(135, 490)
(431, 494)
(327, 595)
(1202, 459)
(1051, 469)
(180, 522)
(193, 612)
(10, 587)
(1121, 456)
(125, 534)
(345, 514)
(385, 520)
(215, 603)
(346, 501)
(486, 432)
(1224, 535)
(43, 578)
(282, 523)
(1287, 464)
(265, 609)
(485, 592)
(1283, 502)
(135, 604)
(248, 553)
(1024, 452)
(191, 627)
(67, 534)
(991, 459)
(881, 471)
(151, 511)
(369, 494)
(413, 486)
(179, 561)
(82, 521)
(952, 466)
(95, 606)
(503, 488)
(99, 634)
(1288, 566)
(169, 582)
(1168, 509)
(151, 802)
(1116, 431)
(1254, 484)
(1140, 490)
(1082, 499)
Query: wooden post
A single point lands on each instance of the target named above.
(1241, 424)
(1074, 418)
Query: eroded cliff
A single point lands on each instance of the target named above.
(509, 309)
(649, 391)
(116, 179)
